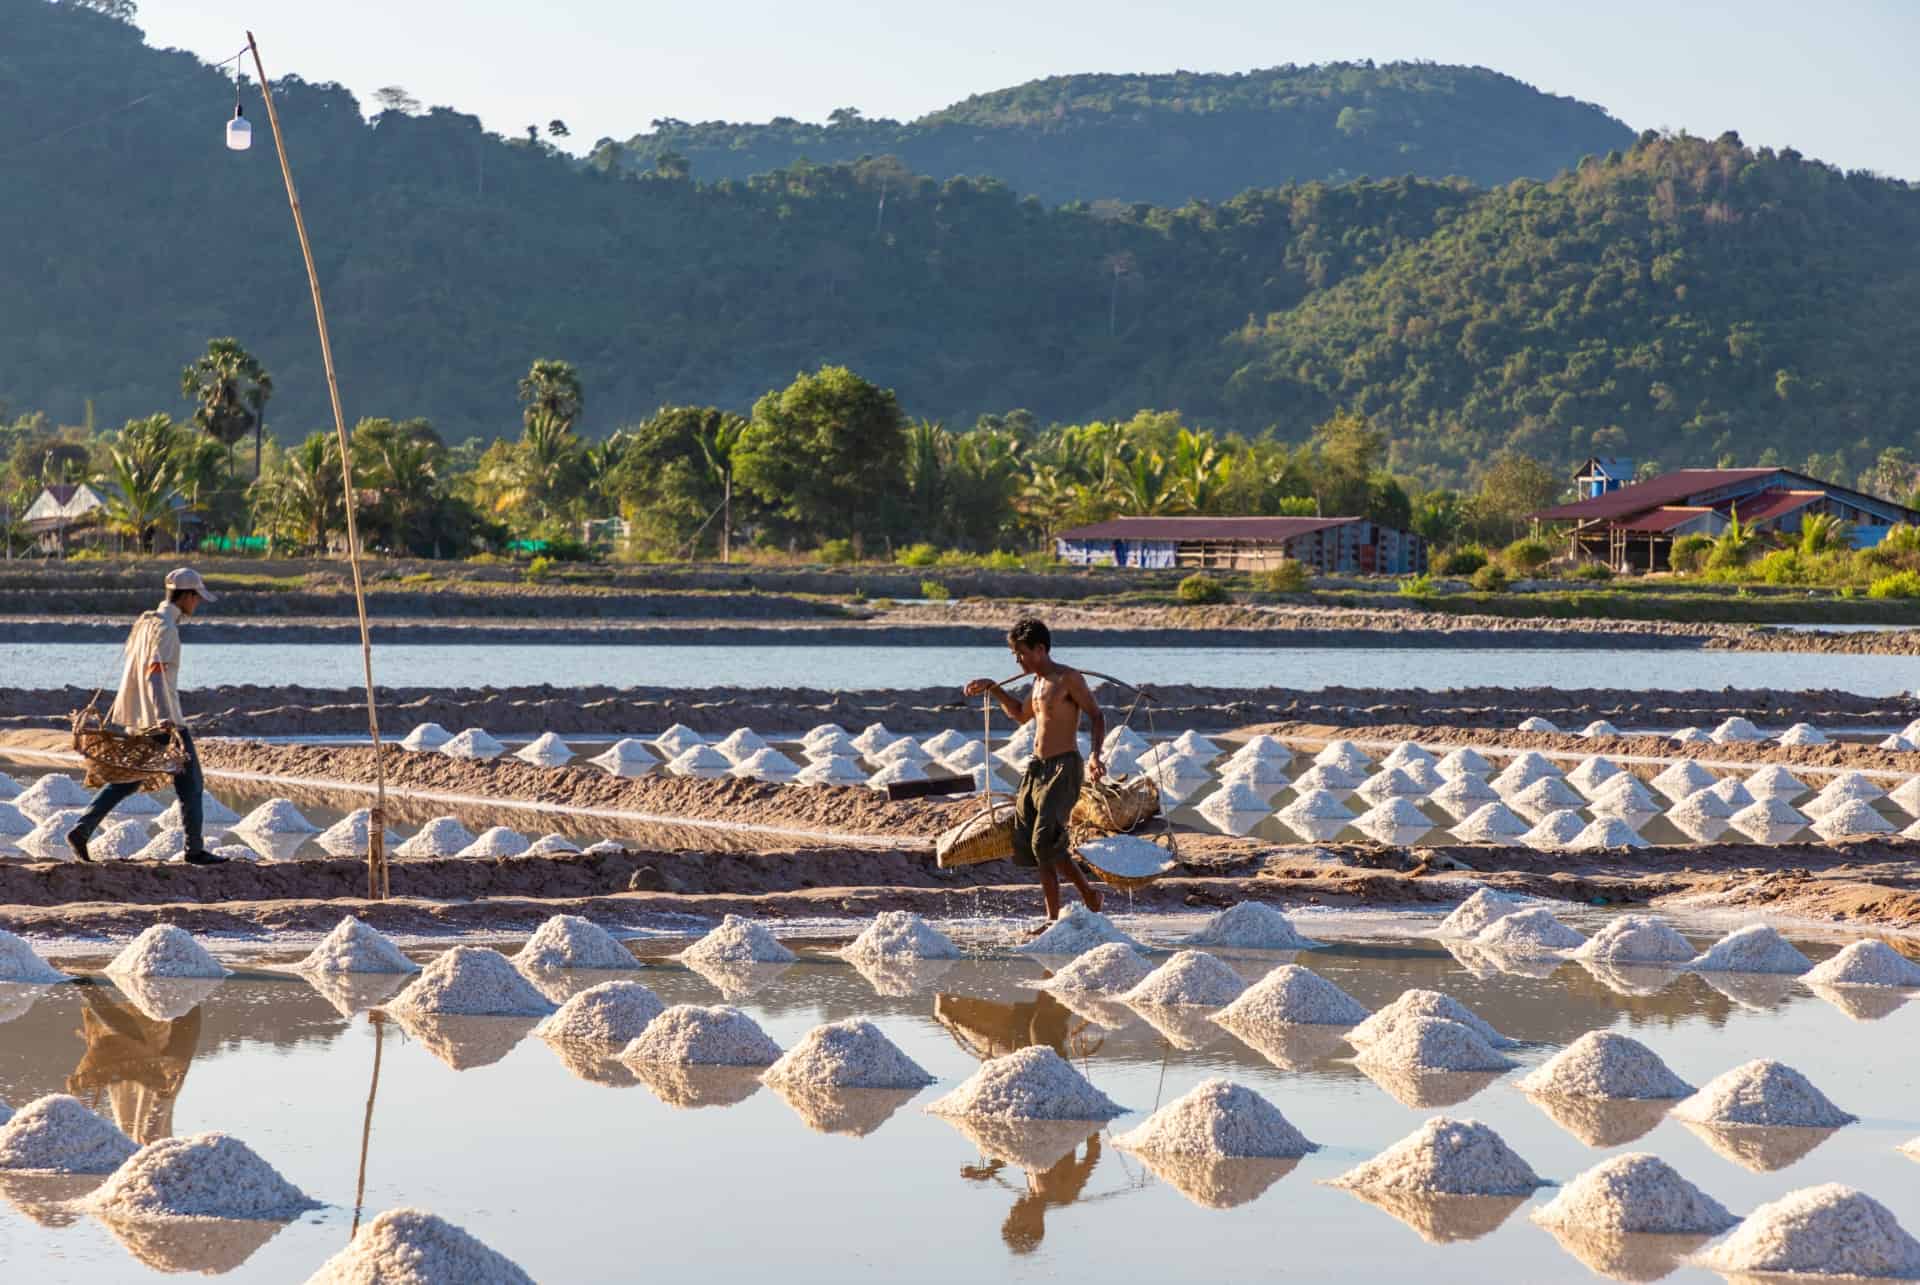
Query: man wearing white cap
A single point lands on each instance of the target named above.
(150, 698)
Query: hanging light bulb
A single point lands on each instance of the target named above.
(239, 130)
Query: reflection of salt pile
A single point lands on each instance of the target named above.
(691, 1035)
(1218, 1120)
(901, 934)
(1602, 1064)
(426, 736)
(700, 760)
(1075, 932)
(738, 941)
(569, 941)
(678, 739)
(474, 982)
(832, 770)
(1636, 939)
(1529, 933)
(276, 816)
(1249, 925)
(1635, 1193)
(352, 947)
(440, 837)
(1450, 1157)
(1291, 995)
(1763, 1093)
(493, 842)
(1756, 948)
(1474, 914)
(545, 750)
(164, 950)
(1191, 978)
(1864, 963)
(852, 1054)
(1431, 1044)
(57, 1134)
(1104, 970)
(1033, 1083)
(413, 1247)
(611, 1014)
(352, 834)
(208, 1175)
(1829, 1230)
(473, 743)
(1425, 1003)
(19, 962)
(1555, 830)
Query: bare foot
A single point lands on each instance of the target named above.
(1094, 900)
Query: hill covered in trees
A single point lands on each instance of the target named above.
(1168, 139)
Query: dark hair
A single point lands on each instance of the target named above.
(1030, 631)
(174, 595)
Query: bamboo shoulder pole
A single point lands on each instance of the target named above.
(377, 881)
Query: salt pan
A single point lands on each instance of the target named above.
(1033, 1083)
(1637, 939)
(1431, 1044)
(495, 841)
(1867, 963)
(690, 1035)
(611, 1014)
(850, 1054)
(440, 837)
(58, 1134)
(208, 1175)
(165, 950)
(1075, 932)
(569, 941)
(738, 941)
(1217, 1120)
(1756, 948)
(413, 1247)
(1446, 1156)
(545, 750)
(1476, 912)
(352, 947)
(1763, 1092)
(1602, 1064)
(474, 982)
(1829, 1230)
(1532, 932)
(1291, 995)
(1248, 925)
(473, 743)
(901, 934)
(1103, 970)
(1633, 1193)
(1492, 822)
(1425, 1003)
(426, 736)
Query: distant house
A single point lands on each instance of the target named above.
(1633, 527)
(76, 511)
(1353, 546)
(1602, 473)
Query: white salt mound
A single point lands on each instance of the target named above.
(1855, 816)
(1316, 805)
(1218, 1120)
(1463, 762)
(276, 816)
(1598, 728)
(1492, 822)
(1756, 948)
(897, 773)
(1432, 1044)
(1291, 995)
(1462, 796)
(852, 1054)
(440, 837)
(1425, 1003)
(568, 941)
(1637, 939)
(207, 1175)
(677, 738)
(1864, 963)
(1602, 1064)
(119, 841)
(627, 757)
(352, 833)
(352, 947)
(495, 841)
(414, 1247)
(1536, 724)
(738, 941)
(1032, 1083)
(1683, 778)
(766, 764)
(57, 1134)
(50, 794)
(697, 760)
(545, 750)
(1191, 978)
(1546, 794)
(1446, 1157)
(1473, 915)
(1249, 925)
(1104, 970)
(1829, 1230)
(1802, 734)
(1737, 729)
(835, 770)
(20, 962)
(611, 1014)
(690, 1035)
(472, 981)
(1603, 834)
(1636, 1192)
(1344, 755)
(426, 736)
(1766, 1093)
(901, 934)
(14, 822)
(1590, 773)
(1529, 933)
(548, 845)
(473, 743)
(1077, 931)
(1555, 830)
(165, 951)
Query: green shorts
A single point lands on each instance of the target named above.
(1043, 809)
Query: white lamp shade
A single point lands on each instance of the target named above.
(239, 134)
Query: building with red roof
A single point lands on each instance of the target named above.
(1352, 546)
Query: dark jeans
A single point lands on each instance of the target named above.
(187, 784)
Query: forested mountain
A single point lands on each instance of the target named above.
(1171, 138)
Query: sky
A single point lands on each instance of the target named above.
(1832, 79)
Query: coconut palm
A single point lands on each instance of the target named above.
(142, 476)
(398, 466)
(301, 500)
(1823, 533)
(231, 389)
(1147, 487)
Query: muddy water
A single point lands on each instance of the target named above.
(583, 1173)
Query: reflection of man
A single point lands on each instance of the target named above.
(141, 1063)
(994, 1029)
(1026, 1224)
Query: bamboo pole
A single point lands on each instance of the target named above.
(378, 884)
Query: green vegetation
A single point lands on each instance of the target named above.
(1490, 579)
(1287, 577)
(1201, 589)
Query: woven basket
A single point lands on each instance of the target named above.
(146, 757)
(1116, 806)
(985, 836)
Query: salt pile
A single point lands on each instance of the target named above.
(1492, 822)
(208, 1175)
(495, 841)
(1637, 939)
(1633, 1193)
(1292, 996)
(472, 981)
(1770, 819)
(1265, 775)
(677, 740)
(611, 1014)
(1191, 978)
(164, 950)
(1446, 1157)
(1260, 746)
(699, 760)
(545, 750)
(1334, 781)
(119, 841)
(627, 757)
(1536, 724)
(1850, 818)
(834, 770)
(968, 755)
(1529, 933)
(276, 816)
(1103, 970)
(1192, 743)
(19, 962)
(1476, 912)
(1463, 762)
(352, 834)
(738, 941)
(1315, 805)
(352, 947)
(1598, 728)
(1864, 963)
(1431, 1044)
(904, 750)
(1524, 770)
(896, 774)
(1077, 931)
(440, 837)
(1604, 833)
(1763, 1092)
(690, 1035)
(1907, 795)
(1737, 729)
(57, 1134)
(834, 744)
(1683, 778)
(48, 839)
(901, 934)
(823, 732)
(1701, 808)
(569, 941)
(1464, 795)
(1248, 925)
(413, 1247)
(946, 742)
(1033, 1083)
(851, 1054)
(1900, 742)
(1344, 755)
(473, 743)
(50, 794)
(1690, 736)
(1218, 1120)
(14, 822)
(214, 814)
(1802, 734)
(876, 736)
(1829, 1230)
(1592, 772)
(426, 736)
(1425, 1003)
(1236, 795)
(1601, 1064)
(1545, 794)
(766, 765)
(1395, 821)
(1390, 783)
(1623, 795)
(741, 743)
(1125, 738)
(1756, 948)
(552, 845)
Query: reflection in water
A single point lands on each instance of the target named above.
(464, 1042)
(1626, 1256)
(692, 1087)
(1758, 991)
(1214, 1183)
(558, 985)
(1187, 1029)
(353, 993)
(1762, 1148)
(1638, 980)
(1439, 1219)
(165, 998)
(1603, 1122)
(896, 979)
(45, 1197)
(593, 1063)
(989, 1028)
(133, 1064)
(1861, 1003)
(1426, 1090)
(17, 997)
(209, 1246)
(1108, 1014)
(739, 980)
(852, 1112)
(1058, 1183)
(1290, 1046)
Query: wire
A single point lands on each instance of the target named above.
(105, 116)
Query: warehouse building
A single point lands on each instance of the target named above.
(1330, 546)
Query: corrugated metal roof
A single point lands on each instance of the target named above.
(1202, 528)
(1662, 519)
(1766, 506)
(1669, 488)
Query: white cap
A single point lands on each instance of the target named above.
(188, 578)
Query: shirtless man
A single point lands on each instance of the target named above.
(1053, 779)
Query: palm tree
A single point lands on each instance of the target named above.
(400, 467)
(1147, 487)
(301, 499)
(1822, 533)
(143, 474)
(550, 455)
(1199, 469)
(231, 388)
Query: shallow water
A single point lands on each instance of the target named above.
(581, 1180)
(870, 668)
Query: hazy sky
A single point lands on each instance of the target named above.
(1833, 78)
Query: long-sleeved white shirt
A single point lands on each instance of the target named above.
(155, 640)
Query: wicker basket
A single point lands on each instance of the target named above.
(146, 757)
(985, 836)
(1116, 806)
